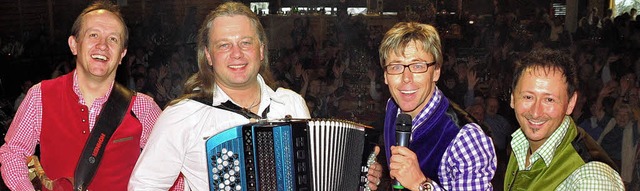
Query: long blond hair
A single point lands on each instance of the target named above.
(202, 83)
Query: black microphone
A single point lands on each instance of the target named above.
(403, 134)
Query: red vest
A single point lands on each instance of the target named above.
(65, 129)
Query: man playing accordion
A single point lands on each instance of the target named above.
(232, 87)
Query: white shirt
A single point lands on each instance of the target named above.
(177, 142)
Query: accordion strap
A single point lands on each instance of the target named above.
(108, 121)
(230, 106)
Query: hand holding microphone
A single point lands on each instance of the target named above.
(403, 134)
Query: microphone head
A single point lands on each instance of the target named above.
(403, 122)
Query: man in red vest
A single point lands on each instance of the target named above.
(60, 114)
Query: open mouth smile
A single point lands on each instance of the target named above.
(408, 91)
(99, 57)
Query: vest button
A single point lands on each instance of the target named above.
(84, 132)
(82, 109)
(84, 120)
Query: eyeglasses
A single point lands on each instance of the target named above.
(419, 67)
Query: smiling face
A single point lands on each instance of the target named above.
(99, 45)
(234, 51)
(541, 101)
(411, 91)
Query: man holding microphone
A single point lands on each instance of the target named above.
(446, 149)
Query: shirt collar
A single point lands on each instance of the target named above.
(267, 95)
(520, 145)
(427, 111)
(76, 89)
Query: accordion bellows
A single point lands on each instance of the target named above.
(300, 154)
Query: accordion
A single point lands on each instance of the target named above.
(290, 154)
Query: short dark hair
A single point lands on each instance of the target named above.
(100, 5)
(549, 60)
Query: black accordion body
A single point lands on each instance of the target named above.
(293, 154)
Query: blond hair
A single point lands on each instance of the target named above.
(202, 83)
(403, 33)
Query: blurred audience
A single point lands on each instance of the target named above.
(339, 75)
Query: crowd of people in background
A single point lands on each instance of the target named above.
(340, 77)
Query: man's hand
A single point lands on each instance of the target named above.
(405, 168)
(375, 172)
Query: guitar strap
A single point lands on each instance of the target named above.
(108, 121)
